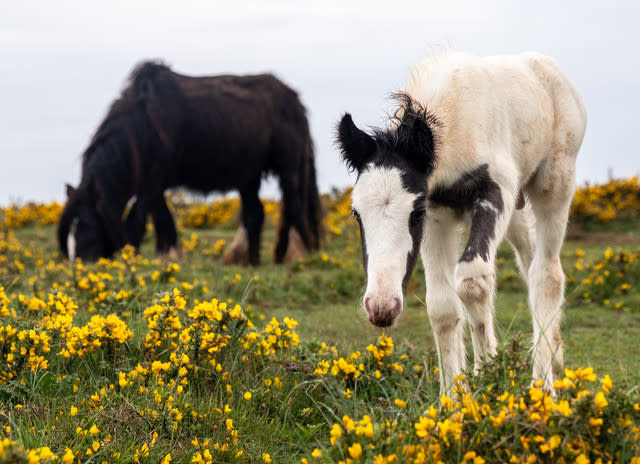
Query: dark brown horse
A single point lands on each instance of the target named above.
(203, 133)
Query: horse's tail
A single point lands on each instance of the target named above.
(312, 205)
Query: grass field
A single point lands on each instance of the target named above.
(108, 363)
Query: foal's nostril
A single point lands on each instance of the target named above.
(397, 307)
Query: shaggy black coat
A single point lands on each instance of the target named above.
(204, 133)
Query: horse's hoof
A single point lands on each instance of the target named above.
(296, 249)
(238, 251)
(236, 256)
(171, 255)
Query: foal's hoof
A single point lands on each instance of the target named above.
(296, 249)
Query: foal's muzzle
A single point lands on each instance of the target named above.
(382, 312)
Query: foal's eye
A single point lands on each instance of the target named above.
(416, 217)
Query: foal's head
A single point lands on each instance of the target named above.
(389, 201)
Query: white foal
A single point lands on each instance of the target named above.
(489, 143)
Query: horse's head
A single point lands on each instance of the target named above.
(389, 202)
(82, 232)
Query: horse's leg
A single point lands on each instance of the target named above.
(475, 272)
(245, 248)
(166, 234)
(136, 223)
(291, 245)
(252, 219)
(439, 254)
(550, 192)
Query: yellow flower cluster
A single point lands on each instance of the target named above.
(607, 280)
(206, 215)
(39, 214)
(275, 338)
(478, 425)
(28, 349)
(198, 215)
(377, 361)
(338, 207)
(183, 344)
(617, 199)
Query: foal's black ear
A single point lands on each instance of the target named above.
(70, 189)
(415, 141)
(356, 145)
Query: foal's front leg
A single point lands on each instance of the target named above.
(446, 315)
(475, 272)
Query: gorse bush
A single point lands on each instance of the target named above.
(485, 422)
(184, 350)
(16, 216)
(607, 280)
(615, 200)
(603, 203)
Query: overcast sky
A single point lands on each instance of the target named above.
(63, 62)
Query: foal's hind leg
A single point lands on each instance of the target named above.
(520, 236)
(475, 271)
(550, 193)
(245, 248)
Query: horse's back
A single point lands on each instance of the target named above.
(248, 89)
(233, 127)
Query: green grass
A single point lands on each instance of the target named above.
(323, 294)
(327, 302)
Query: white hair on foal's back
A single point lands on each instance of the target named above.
(437, 70)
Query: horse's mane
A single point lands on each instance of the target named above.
(138, 112)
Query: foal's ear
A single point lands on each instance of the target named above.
(356, 145)
(415, 141)
(70, 189)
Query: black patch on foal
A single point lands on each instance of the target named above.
(416, 226)
(365, 255)
(477, 192)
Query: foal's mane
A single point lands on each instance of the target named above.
(407, 110)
